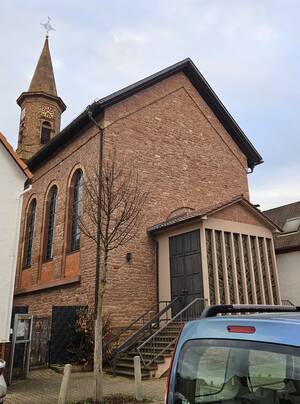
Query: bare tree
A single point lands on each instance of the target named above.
(112, 217)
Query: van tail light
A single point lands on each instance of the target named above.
(242, 329)
(170, 367)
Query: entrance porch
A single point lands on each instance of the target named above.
(223, 254)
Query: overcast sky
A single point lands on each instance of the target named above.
(248, 50)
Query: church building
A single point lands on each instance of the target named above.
(202, 237)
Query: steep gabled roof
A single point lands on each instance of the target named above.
(190, 70)
(15, 156)
(197, 215)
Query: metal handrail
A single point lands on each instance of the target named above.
(116, 337)
(152, 337)
(155, 320)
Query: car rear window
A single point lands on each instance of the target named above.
(234, 371)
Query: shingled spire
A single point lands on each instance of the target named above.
(43, 79)
(41, 108)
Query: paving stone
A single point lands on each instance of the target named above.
(42, 387)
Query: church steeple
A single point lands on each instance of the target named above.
(41, 108)
(43, 77)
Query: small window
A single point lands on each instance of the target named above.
(29, 232)
(45, 132)
(50, 223)
(75, 210)
(291, 225)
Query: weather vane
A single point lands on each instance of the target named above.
(48, 27)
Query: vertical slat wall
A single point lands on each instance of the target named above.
(240, 268)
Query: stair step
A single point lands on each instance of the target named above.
(130, 360)
(155, 349)
(121, 365)
(147, 354)
(128, 373)
(166, 334)
(160, 343)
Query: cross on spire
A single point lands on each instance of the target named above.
(48, 27)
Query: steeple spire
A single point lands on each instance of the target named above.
(43, 79)
(41, 107)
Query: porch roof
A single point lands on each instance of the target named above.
(201, 214)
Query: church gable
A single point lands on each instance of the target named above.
(241, 212)
(168, 131)
(176, 101)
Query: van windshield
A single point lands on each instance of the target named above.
(234, 371)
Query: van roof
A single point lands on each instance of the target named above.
(277, 328)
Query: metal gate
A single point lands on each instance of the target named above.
(62, 332)
(40, 341)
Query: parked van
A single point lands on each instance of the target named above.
(238, 358)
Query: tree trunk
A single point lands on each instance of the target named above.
(98, 355)
(98, 372)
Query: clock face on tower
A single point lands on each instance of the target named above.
(47, 111)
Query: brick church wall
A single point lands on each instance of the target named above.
(184, 157)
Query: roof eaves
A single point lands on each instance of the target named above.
(15, 156)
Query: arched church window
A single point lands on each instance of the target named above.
(45, 132)
(50, 220)
(76, 190)
(29, 232)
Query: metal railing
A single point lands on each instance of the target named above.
(162, 315)
(140, 321)
(152, 348)
(287, 302)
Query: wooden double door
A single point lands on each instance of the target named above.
(185, 269)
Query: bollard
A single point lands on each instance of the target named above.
(64, 384)
(138, 378)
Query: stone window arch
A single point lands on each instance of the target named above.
(46, 129)
(29, 234)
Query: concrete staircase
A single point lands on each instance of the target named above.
(164, 341)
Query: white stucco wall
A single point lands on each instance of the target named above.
(12, 181)
(289, 276)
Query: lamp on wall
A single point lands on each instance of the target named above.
(128, 256)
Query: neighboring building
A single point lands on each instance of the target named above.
(13, 175)
(287, 248)
(194, 158)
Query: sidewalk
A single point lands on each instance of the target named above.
(42, 387)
